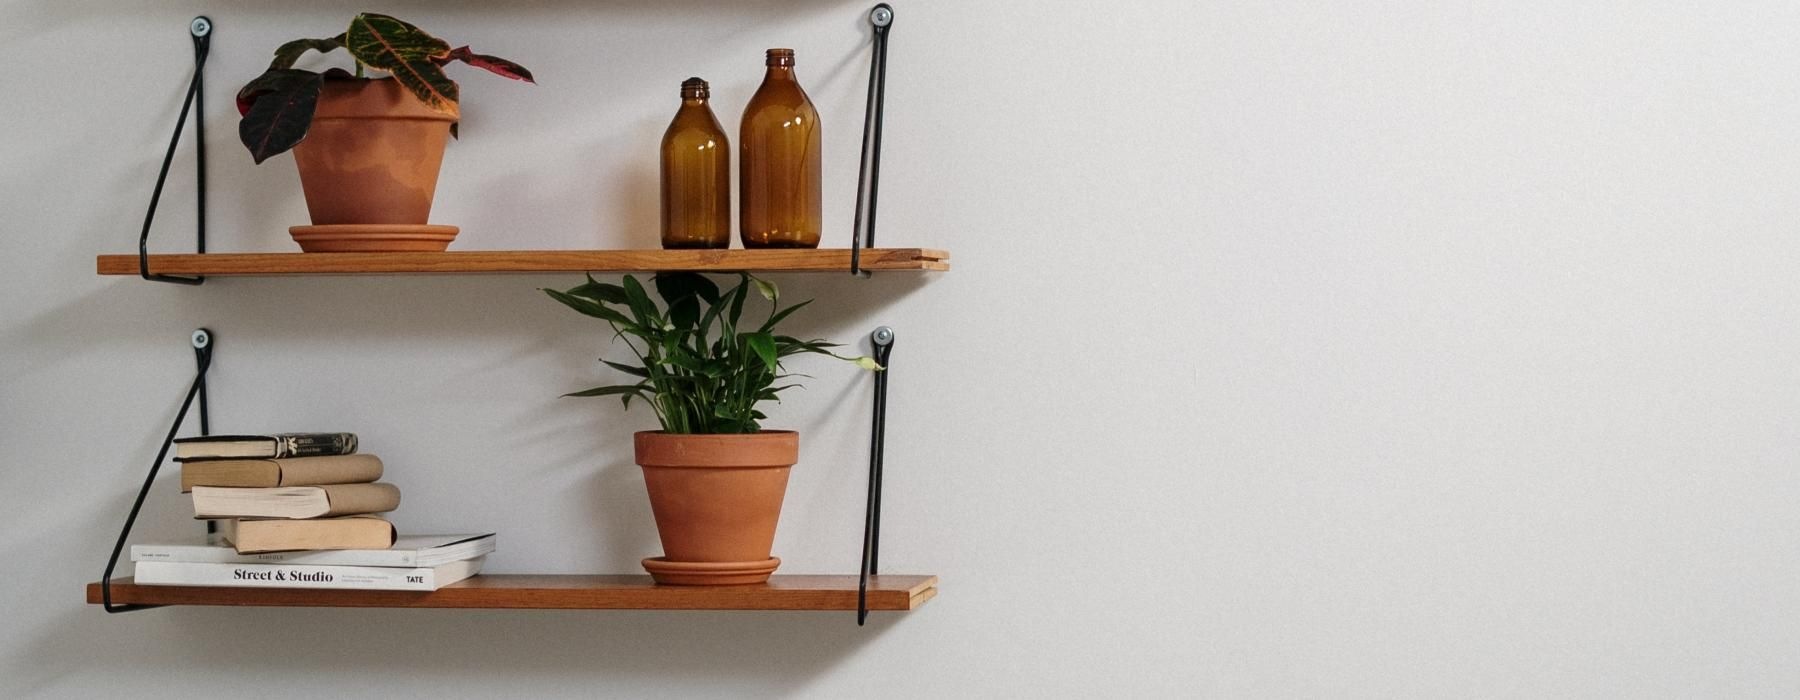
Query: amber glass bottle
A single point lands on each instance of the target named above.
(779, 202)
(696, 175)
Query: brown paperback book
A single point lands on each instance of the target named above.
(354, 532)
(292, 471)
(295, 501)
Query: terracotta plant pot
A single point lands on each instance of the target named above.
(369, 164)
(716, 499)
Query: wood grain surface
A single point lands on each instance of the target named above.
(519, 261)
(558, 592)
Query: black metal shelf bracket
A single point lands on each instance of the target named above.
(200, 30)
(203, 342)
(868, 175)
(883, 340)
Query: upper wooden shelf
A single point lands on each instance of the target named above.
(498, 261)
(557, 592)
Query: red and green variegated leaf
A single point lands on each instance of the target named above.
(384, 42)
(410, 54)
(290, 52)
(280, 117)
(492, 64)
(271, 80)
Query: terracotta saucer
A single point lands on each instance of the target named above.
(373, 238)
(710, 573)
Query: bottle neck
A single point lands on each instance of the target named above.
(779, 73)
(695, 89)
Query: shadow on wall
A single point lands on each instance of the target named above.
(762, 653)
(401, 310)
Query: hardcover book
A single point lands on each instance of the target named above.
(408, 551)
(169, 573)
(277, 446)
(353, 532)
(295, 501)
(292, 471)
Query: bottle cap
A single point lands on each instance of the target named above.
(693, 88)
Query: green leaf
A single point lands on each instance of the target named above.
(492, 64)
(281, 113)
(380, 41)
(682, 292)
(628, 369)
(608, 391)
(674, 286)
(687, 380)
(773, 393)
(594, 309)
(289, 53)
(641, 306)
(684, 314)
(793, 346)
(764, 346)
(737, 301)
(783, 314)
(609, 293)
(685, 361)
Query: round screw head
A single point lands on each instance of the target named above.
(201, 26)
(882, 336)
(881, 16)
(201, 338)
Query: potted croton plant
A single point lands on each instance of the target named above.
(716, 478)
(368, 144)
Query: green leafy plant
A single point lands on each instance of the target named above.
(699, 367)
(277, 107)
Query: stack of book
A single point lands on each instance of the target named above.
(301, 510)
(413, 563)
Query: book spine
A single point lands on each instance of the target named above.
(225, 555)
(163, 573)
(314, 445)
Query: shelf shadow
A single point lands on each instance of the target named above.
(507, 652)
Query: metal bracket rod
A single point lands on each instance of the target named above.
(203, 342)
(883, 340)
(868, 175)
(200, 30)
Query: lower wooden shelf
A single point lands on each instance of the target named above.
(557, 592)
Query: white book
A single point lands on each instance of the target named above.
(408, 551)
(169, 573)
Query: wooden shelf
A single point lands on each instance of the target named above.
(557, 592)
(518, 261)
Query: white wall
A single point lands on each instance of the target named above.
(1382, 349)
